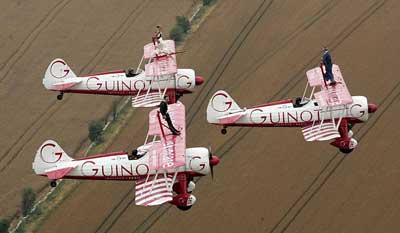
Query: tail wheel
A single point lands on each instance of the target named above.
(53, 183)
(184, 208)
(60, 96)
(224, 131)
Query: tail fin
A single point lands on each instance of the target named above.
(57, 71)
(48, 156)
(221, 104)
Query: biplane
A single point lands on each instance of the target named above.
(163, 168)
(328, 114)
(147, 87)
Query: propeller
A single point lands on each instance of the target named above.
(213, 160)
(209, 160)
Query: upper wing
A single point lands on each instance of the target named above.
(163, 58)
(68, 83)
(153, 190)
(164, 65)
(170, 152)
(329, 95)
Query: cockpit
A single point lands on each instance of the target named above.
(136, 154)
(130, 72)
(300, 102)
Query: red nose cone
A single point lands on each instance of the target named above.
(199, 80)
(214, 161)
(372, 108)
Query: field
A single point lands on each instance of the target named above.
(269, 179)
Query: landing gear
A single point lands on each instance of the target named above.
(346, 151)
(53, 183)
(60, 96)
(223, 130)
(184, 208)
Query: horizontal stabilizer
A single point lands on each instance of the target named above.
(59, 171)
(60, 86)
(231, 118)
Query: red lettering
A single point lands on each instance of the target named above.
(305, 119)
(295, 118)
(103, 171)
(139, 85)
(130, 172)
(271, 118)
(252, 118)
(98, 84)
(84, 168)
(128, 87)
(113, 86)
(318, 114)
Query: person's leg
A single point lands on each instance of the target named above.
(170, 125)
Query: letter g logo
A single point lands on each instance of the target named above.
(220, 102)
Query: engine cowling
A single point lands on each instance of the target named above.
(197, 160)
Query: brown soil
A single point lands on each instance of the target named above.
(269, 180)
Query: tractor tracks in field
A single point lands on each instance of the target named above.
(227, 58)
(239, 79)
(242, 132)
(28, 41)
(22, 141)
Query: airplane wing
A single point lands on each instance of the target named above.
(163, 58)
(166, 47)
(320, 132)
(68, 83)
(169, 153)
(155, 190)
(146, 99)
(164, 65)
(329, 96)
(60, 170)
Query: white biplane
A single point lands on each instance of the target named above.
(329, 115)
(164, 172)
(147, 87)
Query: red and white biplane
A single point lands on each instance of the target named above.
(328, 114)
(147, 87)
(164, 172)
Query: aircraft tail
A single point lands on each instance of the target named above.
(57, 71)
(221, 104)
(48, 156)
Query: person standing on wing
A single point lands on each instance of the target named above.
(164, 113)
(327, 61)
(157, 38)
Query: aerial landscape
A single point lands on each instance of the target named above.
(268, 179)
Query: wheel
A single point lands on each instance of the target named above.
(60, 96)
(53, 183)
(184, 208)
(346, 151)
(223, 131)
